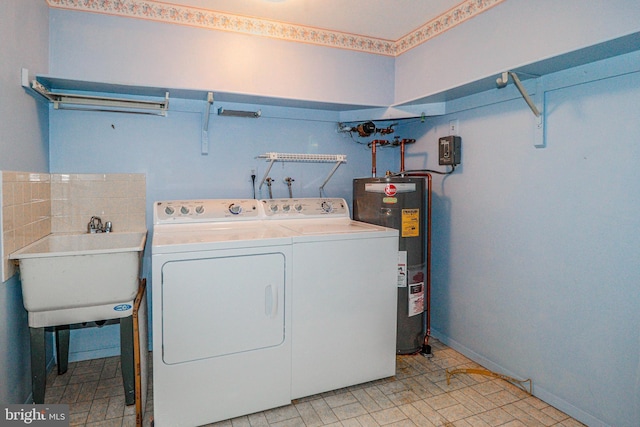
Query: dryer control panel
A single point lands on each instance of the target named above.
(207, 210)
(305, 208)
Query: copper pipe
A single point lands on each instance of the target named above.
(373, 158)
(426, 338)
(373, 145)
(403, 142)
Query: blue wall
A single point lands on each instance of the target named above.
(134, 51)
(24, 31)
(535, 262)
(14, 336)
(24, 124)
(511, 35)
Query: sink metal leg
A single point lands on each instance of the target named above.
(62, 348)
(127, 359)
(38, 358)
(38, 364)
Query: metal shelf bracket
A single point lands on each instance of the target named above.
(536, 104)
(204, 144)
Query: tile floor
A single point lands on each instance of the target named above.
(417, 396)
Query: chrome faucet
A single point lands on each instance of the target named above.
(95, 225)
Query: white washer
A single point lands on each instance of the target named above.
(221, 311)
(344, 295)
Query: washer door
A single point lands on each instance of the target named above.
(219, 306)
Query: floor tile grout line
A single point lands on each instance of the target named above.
(418, 385)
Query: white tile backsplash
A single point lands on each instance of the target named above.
(37, 204)
(77, 197)
(26, 217)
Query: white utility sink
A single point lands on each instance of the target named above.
(73, 278)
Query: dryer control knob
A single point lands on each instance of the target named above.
(326, 207)
(298, 207)
(235, 209)
(273, 208)
(199, 210)
(184, 210)
(169, 210)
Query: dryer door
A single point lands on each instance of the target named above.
(212, 307)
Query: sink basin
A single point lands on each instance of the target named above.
(73, 278)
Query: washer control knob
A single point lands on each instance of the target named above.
(273, 208)
(286, 207)
(235, 209)
(200, 209)
(169, 210)
(184, 210)
(297, 207)
(326, 206)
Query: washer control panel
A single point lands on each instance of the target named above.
(207, 210)
(305, 208)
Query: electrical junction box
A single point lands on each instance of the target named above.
(449, 150)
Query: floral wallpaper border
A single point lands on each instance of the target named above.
(209, 19)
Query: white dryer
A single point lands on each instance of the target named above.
(221, 283)
(343, 296)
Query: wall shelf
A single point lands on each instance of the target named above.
(338, 159)
(424, 105)
(608, 49)
(59, 84)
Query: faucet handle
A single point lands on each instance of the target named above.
(95, 225)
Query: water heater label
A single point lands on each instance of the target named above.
(410, 223)
(416, 298)
(402, 269)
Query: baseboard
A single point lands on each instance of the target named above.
(539, 392)
(94, 354)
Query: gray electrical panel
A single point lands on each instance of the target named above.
(449, 150)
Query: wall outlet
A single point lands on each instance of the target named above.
(449, 150)
(24, 77)
(454, 127)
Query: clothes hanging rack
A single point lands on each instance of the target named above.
(338, 159)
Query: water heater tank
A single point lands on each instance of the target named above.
(400, 203)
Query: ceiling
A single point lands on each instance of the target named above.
(383, 19)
